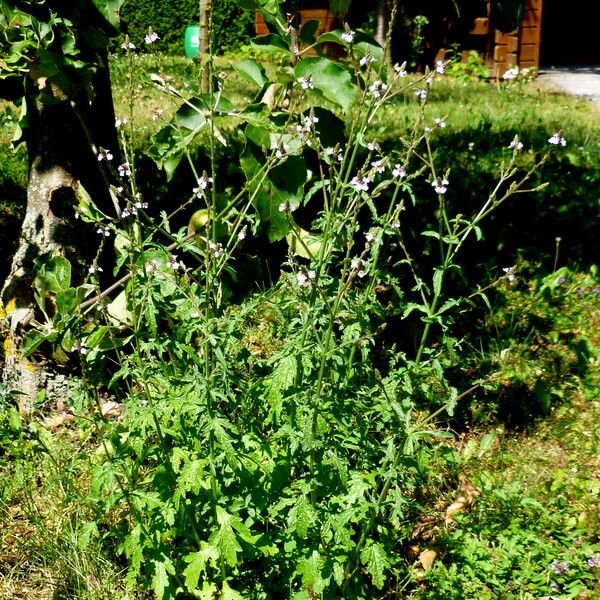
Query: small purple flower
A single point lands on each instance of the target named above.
(596, 289)
(561, 279)
(594, 561)
(560, 567)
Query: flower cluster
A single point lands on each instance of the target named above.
(377, 88)
(304, 277)
(348, 36)
(516, 144)
(203, 184)
(104, 154)
(307, 83)
(360, 184)
(440, 185)
(557, 140)
(151, 37)
(358, 265)
(559, 567)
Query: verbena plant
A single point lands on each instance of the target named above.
(295, 470)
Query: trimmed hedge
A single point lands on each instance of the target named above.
(232, 26)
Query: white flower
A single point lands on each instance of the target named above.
(440, 122)
(307, 83)
(173, 262)
(284, 206)
(367, 59)
(242, 233)
(304, 277)
(421, 94)
(400, 70)
(440, 68)
(104, 154)
(156, 113)
(557, 140)
(151, 37)
(395, 225)
(398, 172)
(377, 88)
(127, 213)
(124, 170)
(378, 166)
(372, 146)
(335, 153)
(79, 348)
(360, 184)
(511, 73)
(151, 266)
(103, 230)
(128, 45)
(121, 122)
(95, 269)
(140, 204)
(510, 273)
(371, 235)
(203, 184)
(440, 185)
(516, 144)
(358, 265)
(216, 249)
(348, 36)
(429, 80)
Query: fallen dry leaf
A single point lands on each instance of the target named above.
(467, 495)
(110, 408)
(427, 558)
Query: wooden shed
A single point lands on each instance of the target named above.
(550, 34)
(519, 48)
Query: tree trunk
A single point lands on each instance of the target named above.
(204, 42)
(60, 140)
(381, 22)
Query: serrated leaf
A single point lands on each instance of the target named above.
(301, 517)
(228, 593)
(375, 560)
(197, 563)
(160, 579)
(411, 306)
(224, 539)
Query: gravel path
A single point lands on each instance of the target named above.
(579, 81)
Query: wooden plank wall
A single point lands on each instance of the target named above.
(521, 47)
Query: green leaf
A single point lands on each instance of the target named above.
(271, 42)
(53, 272)
(109, 9)
(301, 517)
(160, 579)
(413, 306)
(225, 539)
(228, 593)
(197, 563)
(438, 278)
(332, 80)
(375, 560)
(252, 71)
(308, 32)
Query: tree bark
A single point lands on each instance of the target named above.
(204, 42)
(61, 140)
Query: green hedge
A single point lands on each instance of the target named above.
(233, 26)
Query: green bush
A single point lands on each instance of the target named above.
(233, 26)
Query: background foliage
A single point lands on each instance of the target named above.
(233, 26)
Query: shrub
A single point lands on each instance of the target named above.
(232, 25)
